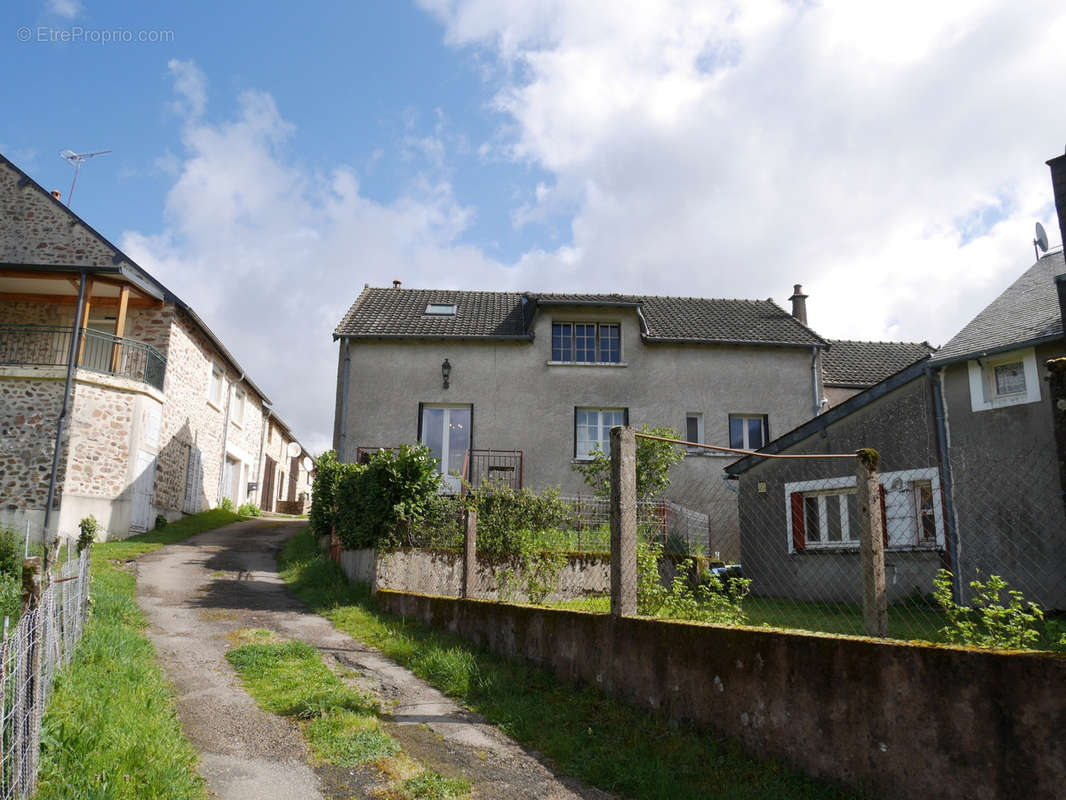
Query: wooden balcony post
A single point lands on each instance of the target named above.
(83, 323)
(120, 326)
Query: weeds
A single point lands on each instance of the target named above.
(988, 623)
(588, 735)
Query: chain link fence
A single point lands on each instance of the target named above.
(31, 651)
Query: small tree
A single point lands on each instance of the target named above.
(654, 460)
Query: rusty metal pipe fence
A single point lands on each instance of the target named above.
(31, 652)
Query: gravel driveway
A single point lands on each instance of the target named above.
(198, 592)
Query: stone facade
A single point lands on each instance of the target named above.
(130, 451)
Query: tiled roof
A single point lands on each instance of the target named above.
(1027, 311)
(401, 313)
(861, 364)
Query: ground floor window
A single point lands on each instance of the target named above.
(823, 514)
(592, 429)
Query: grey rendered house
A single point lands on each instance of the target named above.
(970, 469)
(520, 386)
(154, 415)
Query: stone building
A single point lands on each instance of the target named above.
(154, 415)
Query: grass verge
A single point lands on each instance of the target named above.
(110, 730)
(587, 735)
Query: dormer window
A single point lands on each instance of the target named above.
(440, 310)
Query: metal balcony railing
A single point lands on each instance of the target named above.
(47, 346)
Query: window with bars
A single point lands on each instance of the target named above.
(586, 343)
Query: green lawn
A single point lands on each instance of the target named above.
(586, 734)
(110, 730)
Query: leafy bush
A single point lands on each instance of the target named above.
(988, 623)
(711, 600)
(323, 494)
(248, 510)
(160, 522)
(88, 527)
(507, 519)
(10, 553)
(226, 504)
(382, 503)
(654, 460)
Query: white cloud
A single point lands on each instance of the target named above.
(271, 254)
(733, 149)
(65, 8)
(190, 86)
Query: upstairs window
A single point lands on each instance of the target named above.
(748, 431)
(239, 402)
(440, 310)
(1006, 379)
(586, 343)
(214, 386)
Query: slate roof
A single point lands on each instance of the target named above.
(862, 364)
(1026, 313)
(400, 313)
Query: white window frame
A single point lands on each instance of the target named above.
(240, 397)
(596, 348)
(698, 416)
(605, 446)
(763, 418)
(215, 390)
(906, 478)
(982, 374)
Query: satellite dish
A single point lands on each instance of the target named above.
(293, 449)
(1041, 239)
(308, 463)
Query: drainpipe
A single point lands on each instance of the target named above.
(342, 429)
(225, 435)
(75, 339)
(942, 439)
(814, 380)
(259, 459)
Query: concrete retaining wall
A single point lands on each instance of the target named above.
(897, 720)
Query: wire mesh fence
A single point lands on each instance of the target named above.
(31, 652)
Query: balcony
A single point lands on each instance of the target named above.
(46, 346)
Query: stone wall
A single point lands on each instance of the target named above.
(29, 408)
(896, 721)
(100, 440)
(35, 228)
(36, 314)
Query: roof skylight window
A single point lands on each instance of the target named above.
(440, 310)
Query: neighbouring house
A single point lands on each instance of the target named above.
(970, 469)
(849, 367)
(154, 415)
(518, 387)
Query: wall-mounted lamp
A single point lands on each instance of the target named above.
(445, 372)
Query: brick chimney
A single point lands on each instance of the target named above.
(396, 284)
(1058, 185)
(799, 304)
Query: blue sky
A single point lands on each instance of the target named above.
(268, 161)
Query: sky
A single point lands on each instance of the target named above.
(268, 160)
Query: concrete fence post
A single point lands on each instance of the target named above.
(470, 554)
(623, 522)
(1056, 368)
(871, 544)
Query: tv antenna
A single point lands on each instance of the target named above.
(1040, 241)
(76, 159)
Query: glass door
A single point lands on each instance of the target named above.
(446, 432)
